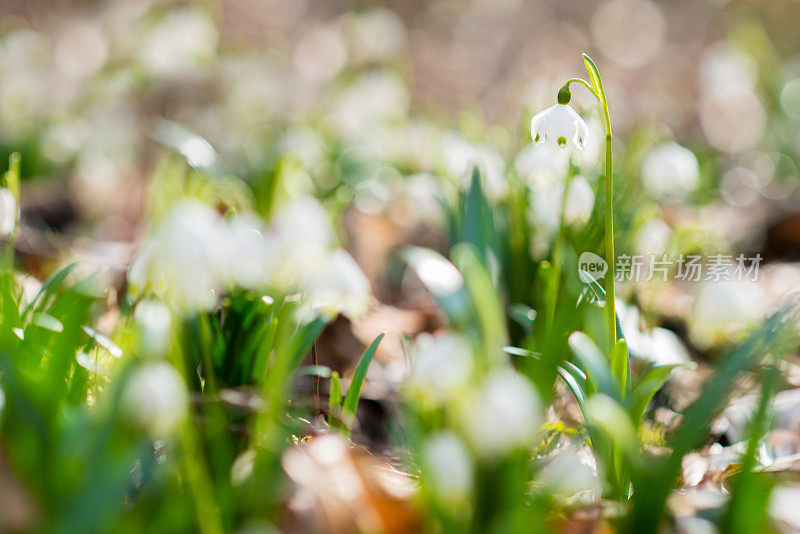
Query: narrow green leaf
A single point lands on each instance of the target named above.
(517, 351)
(594, 364)
(646, 389)
(335, 402)
(594, 74)
(576, 382)
(335, 397)
(619, 366)
(49, 289)
(354, 390)
(485, 300)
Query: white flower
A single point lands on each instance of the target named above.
(155, 398)
(503, 414)
(439, 365)
(559, 124)
(723, 309)
(653, 237)
(301, 237)
(155, 323)
(670, 171)
(340, 287)
(580, 201)
(248, 260)
(567, 473)
(183, 259)
(8, 212)
(460, 156)
(547, 196)
(447, 467)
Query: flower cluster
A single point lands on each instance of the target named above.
(195, 253)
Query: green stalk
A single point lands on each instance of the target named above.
(596, 89)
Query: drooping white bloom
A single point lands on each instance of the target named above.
(567, 473)
(301, 237)
(340, 287)
(539, 160)
(460, 156)
(155, 398)
(580, 201)
(183, 260)
(8, 212)
(248, 259)
(722, 309)
(670, 171)
(439, 365)
(547, 197)
(657, 345)
(559, 124)
(653, 237)
(503, 414)
(155, 324)
(447, 467)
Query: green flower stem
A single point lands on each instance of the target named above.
(596, 89)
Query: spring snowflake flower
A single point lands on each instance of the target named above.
(155, 399)
(670, 171)
(182, 260)
(723, 309)
(341, 287)
(440, 365)
(503, 414)
(561, 125)
(8, 212)
(448, 468)
(154, 322)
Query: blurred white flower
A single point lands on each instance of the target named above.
(195, 253)
(8, 211)
(502, 414)
(375, 33)
(155, 399)
(459, 156)
(567, 473)
(580, 201)
(300, 237)
(321, 52)
(247, 260)
(339, 287)
(179, 42)
(439, 365)
(154, 321)
(183, 259)
(722, 309)
(30, 286)
(559, 124)
(448, 468)
(656, 345)
(547, 197)
(421, 196)
(373, 100)
(653, 237)
(2, 400)
(542, 159)
(670, 171)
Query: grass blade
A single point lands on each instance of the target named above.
(350, 404)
